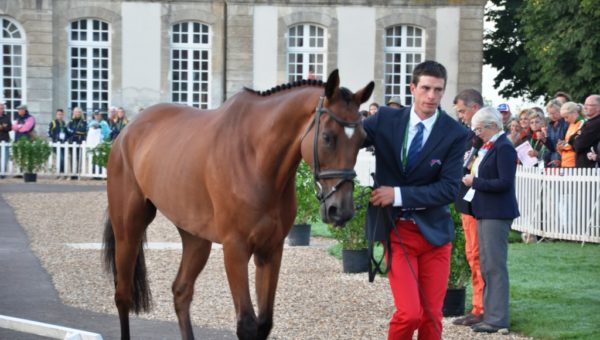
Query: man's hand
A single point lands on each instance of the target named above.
(382, 196)
(468, 180)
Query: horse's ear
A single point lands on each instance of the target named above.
(333, 82)
(365, 93)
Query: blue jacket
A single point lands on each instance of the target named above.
(430, 185)
(55, 128)
(494, 185)
(556, 131)
(77, 129)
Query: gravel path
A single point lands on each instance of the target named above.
(315, 300)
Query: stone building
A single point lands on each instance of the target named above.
(135, 53)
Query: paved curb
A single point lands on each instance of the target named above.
(26, 289)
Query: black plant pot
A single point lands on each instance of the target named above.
(355, 261)
(29, 177)
(454, 303)
(299, 235)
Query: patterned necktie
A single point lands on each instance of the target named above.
(415, 147)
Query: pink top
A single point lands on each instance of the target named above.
(25, 127)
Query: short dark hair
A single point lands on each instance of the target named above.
(563, 94)
(429, 68)
(60, 110)
(469, 97)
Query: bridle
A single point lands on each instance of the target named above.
(344, 175)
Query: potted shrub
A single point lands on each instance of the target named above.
(100, 154)
(460, 272)
(30, 156)
(308, 206)
(355, 258)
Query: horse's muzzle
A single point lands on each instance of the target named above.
(333, 214)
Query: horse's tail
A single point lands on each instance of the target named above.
(142, 297)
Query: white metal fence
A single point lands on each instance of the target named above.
(66, 160)
(560, 203)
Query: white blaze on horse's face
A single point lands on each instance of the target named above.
(349, 131)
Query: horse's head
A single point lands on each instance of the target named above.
(332, 145)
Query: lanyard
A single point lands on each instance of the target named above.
(404, 148)
(534, 145)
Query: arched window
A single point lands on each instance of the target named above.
(89, 65)
(404, 49)
(307, 52)
(190, 64)
(12, 64)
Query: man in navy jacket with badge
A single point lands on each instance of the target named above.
(419, 154)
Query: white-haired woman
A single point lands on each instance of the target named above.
(572, 113)
(494, 205)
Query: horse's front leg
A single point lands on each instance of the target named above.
(236, 256)
(194, 257)
(267, 275)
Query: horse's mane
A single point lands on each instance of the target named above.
(283, 87)
(346, 94)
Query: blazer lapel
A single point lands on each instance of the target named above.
(493, 149)
(435, 137)
(400, 124)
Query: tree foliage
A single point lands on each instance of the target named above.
(504, 49)
(541, 47)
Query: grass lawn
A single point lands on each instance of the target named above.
(554, 290)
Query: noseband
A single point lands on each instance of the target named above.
(344, 175)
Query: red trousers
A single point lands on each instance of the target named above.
(472, 252)
(418, 297)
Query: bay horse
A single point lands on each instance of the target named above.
(228, 176)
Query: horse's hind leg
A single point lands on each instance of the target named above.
(130, 214)
(195, 255)
(267, 275)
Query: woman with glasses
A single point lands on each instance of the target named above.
(494, 205)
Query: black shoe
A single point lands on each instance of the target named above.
(468, 320)
(483, 327)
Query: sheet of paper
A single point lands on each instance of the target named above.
(522, 151)
(469, 195)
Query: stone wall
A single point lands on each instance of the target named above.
(46, 23)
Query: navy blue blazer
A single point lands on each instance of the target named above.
(429, 186)
(494, 185)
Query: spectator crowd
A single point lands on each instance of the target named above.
(92, 130)
(79, 129)
(566, 135)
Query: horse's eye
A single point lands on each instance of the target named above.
(328, 139)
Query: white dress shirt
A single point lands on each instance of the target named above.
(412, 131)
